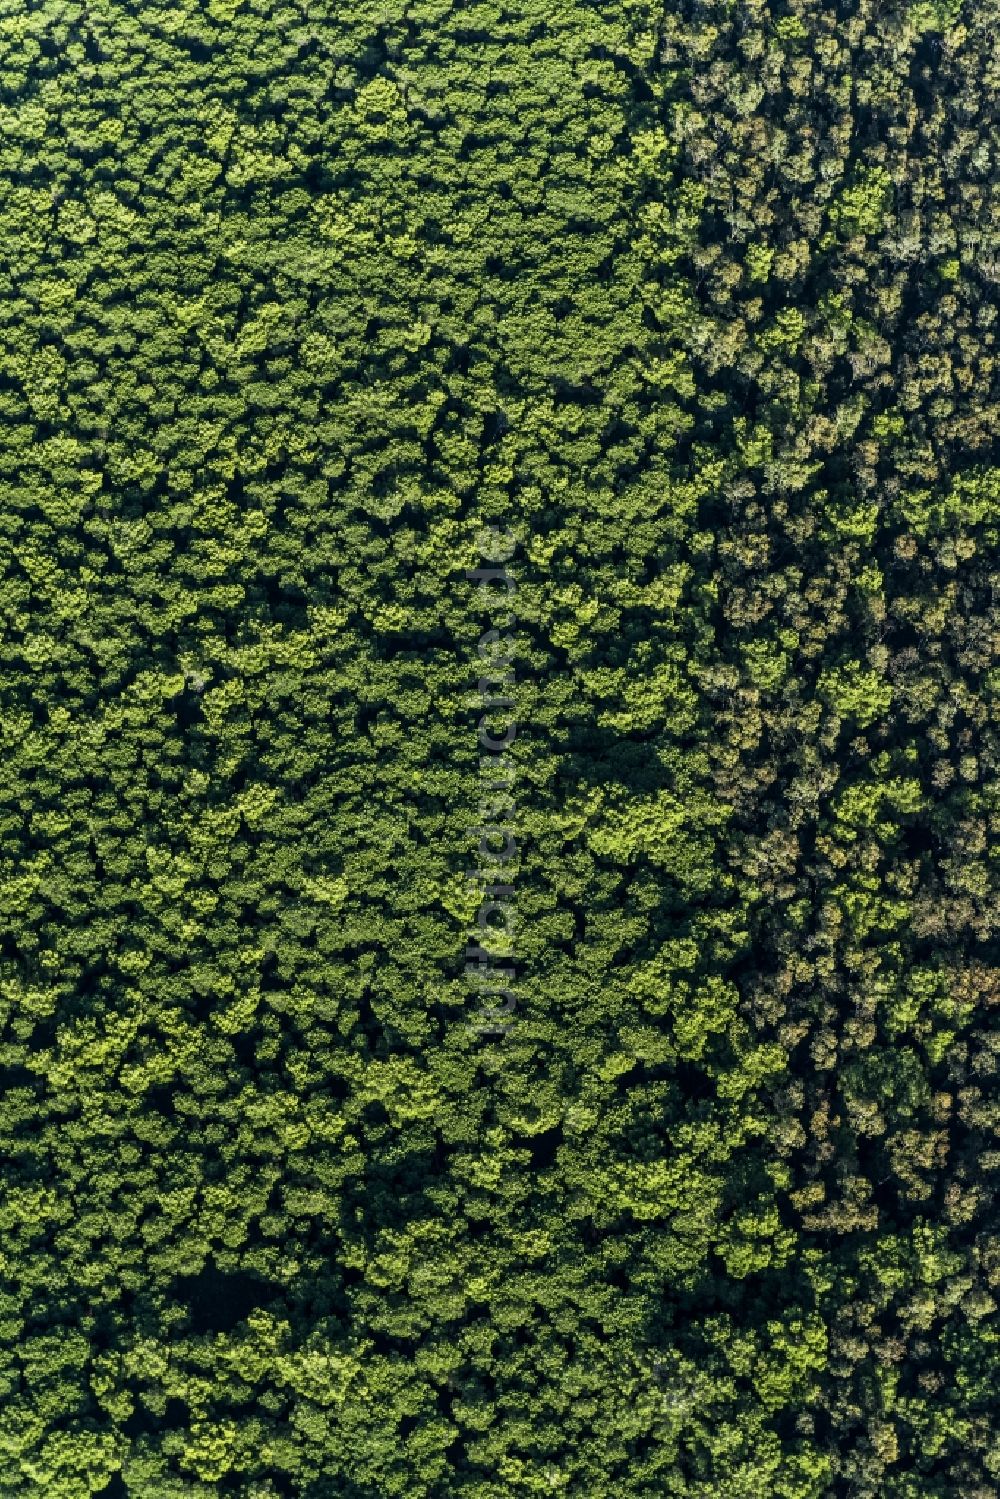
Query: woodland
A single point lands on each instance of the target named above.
(698, 301)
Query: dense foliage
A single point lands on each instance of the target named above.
(700, 301)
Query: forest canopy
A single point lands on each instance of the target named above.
(696, 304)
